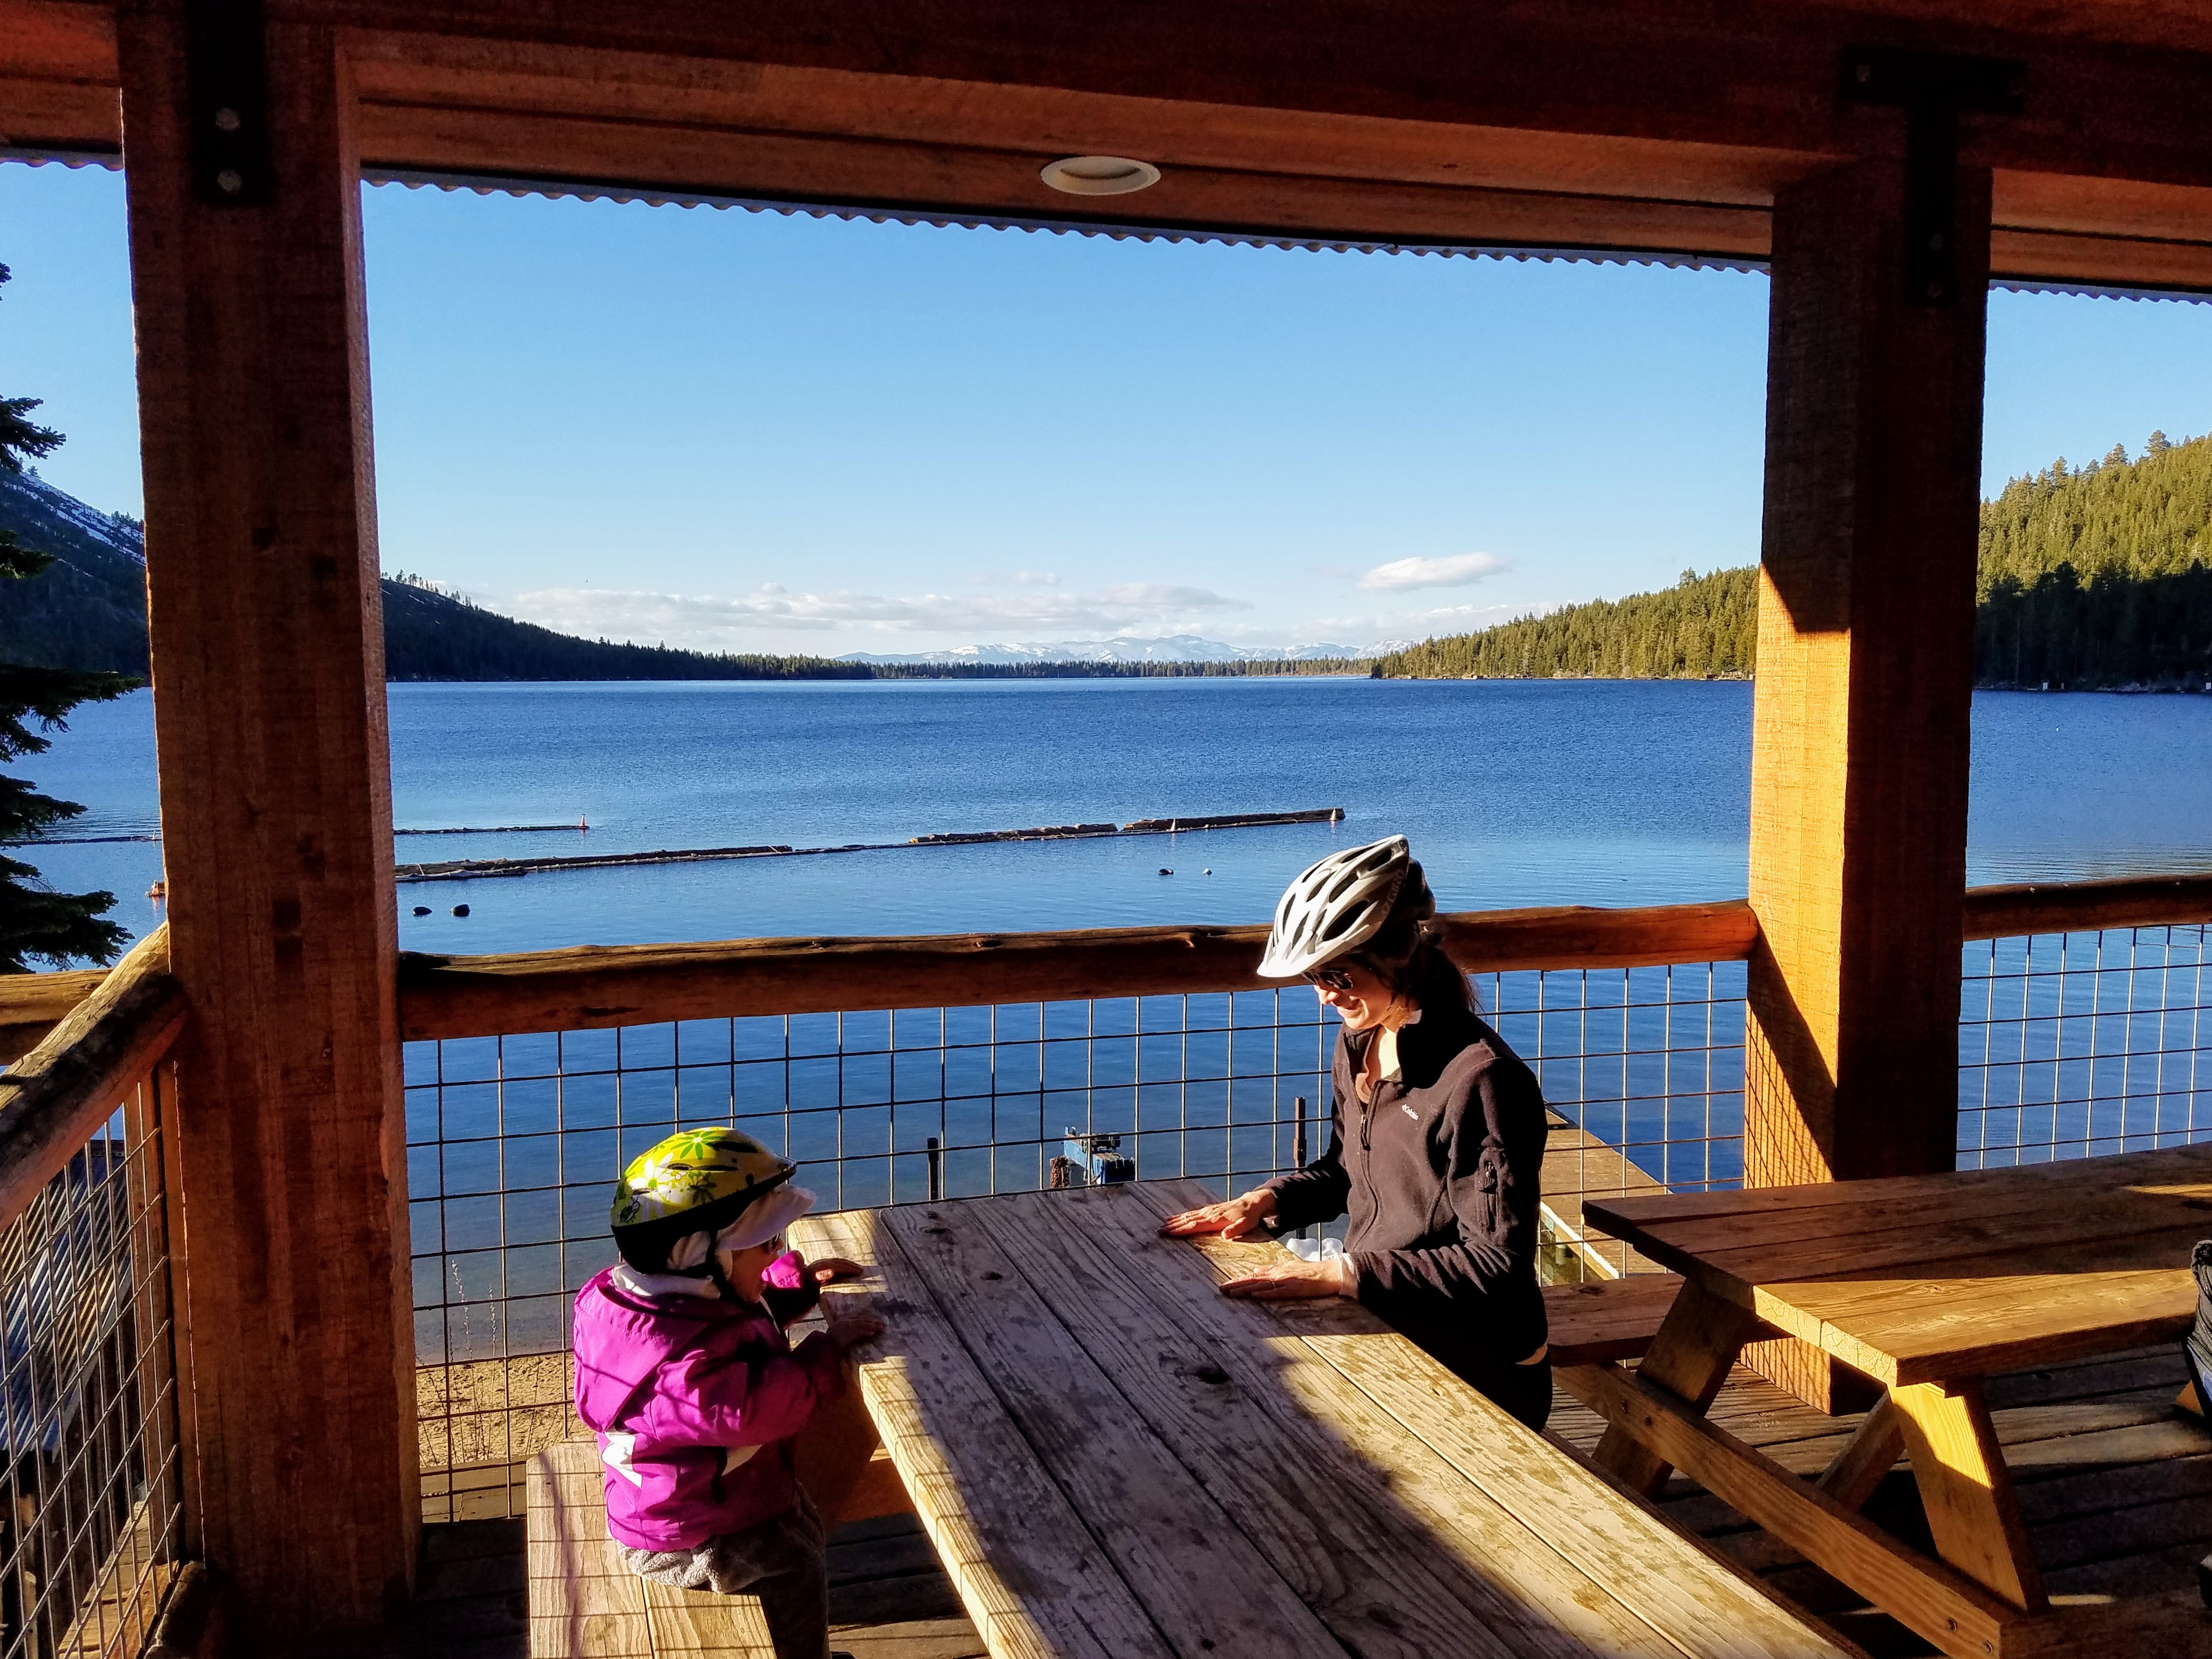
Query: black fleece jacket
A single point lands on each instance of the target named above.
(1439, 1176)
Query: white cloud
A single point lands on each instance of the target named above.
(703, 622)
(1455, 570)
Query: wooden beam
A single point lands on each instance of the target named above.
(1690, 1358)
(32, 1004)
(58, 89)
(1939, 1604)
(1861, 715)
(1764, 77)
(1972, 1512)
(2057, 907)
(288, 1128)
(678, 112)
(56, 1097)
(596, 985)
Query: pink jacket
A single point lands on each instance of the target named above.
(694, 1401)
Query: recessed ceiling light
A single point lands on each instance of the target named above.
(1099, 175)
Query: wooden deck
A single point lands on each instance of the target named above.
(2117, 1486)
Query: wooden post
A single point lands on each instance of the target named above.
(1860, 728)
(275, 806)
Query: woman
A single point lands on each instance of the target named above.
(1438, 1142)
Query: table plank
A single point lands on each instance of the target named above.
(1928, 1278)
(1937, 1329)
(1751, 1203)
(2100, 1203)
(2114, 1227)
(1689, 1593)
(951, 1439)
(1205, 1585)
(1396, 1553)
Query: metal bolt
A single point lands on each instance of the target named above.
(230, 181)
(225, 119)
(1935, 290)
(1865, 73)
(1935, 243)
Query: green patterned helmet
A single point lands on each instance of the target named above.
(696, 1181)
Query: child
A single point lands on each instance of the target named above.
(683, 1371)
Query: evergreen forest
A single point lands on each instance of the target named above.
(2097, 577)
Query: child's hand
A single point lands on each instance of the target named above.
(848, 1331)
(830, 1268)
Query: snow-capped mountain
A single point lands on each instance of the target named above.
(1176, 648)
(39, 504)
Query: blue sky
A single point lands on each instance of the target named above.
(767, 432)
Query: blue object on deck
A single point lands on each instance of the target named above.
(1096, 1160)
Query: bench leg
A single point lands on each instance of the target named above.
(1690, 1358)
(1972, 1512)
(1859, 1468)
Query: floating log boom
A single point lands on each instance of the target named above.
(474, 869)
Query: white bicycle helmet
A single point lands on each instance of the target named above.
(1335, 906)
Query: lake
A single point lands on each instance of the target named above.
(1513, 792)
(1533, 792)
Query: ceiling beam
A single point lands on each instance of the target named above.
(1671, 134)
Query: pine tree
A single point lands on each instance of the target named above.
(36, 923)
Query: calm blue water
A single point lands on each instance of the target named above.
(1514, 793)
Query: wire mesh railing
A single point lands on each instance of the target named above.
(2071, 1045)
(91, 1512)
(514, 1140)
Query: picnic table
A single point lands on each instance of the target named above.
(1927, 1285)
(1112, 1459)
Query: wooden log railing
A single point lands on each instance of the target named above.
(595, 986)
(94, 1461)
(587, 987)
(54, 1098)
(591, 986)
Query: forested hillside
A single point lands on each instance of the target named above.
(2089, 577)
(89, 611)
(2102, 575)
(1702, 628)
(433, 636)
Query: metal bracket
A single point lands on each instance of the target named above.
(1933, 88)
(227, 74)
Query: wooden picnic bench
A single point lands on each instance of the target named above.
(586, 1604)
(1115, 1462)
(1927, 1285)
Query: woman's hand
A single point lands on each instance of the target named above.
(830, 1268)
(1291, 1279)
(1231, 1218)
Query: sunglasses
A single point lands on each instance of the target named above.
(1328, 979)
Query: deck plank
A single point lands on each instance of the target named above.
(1394, 1551)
